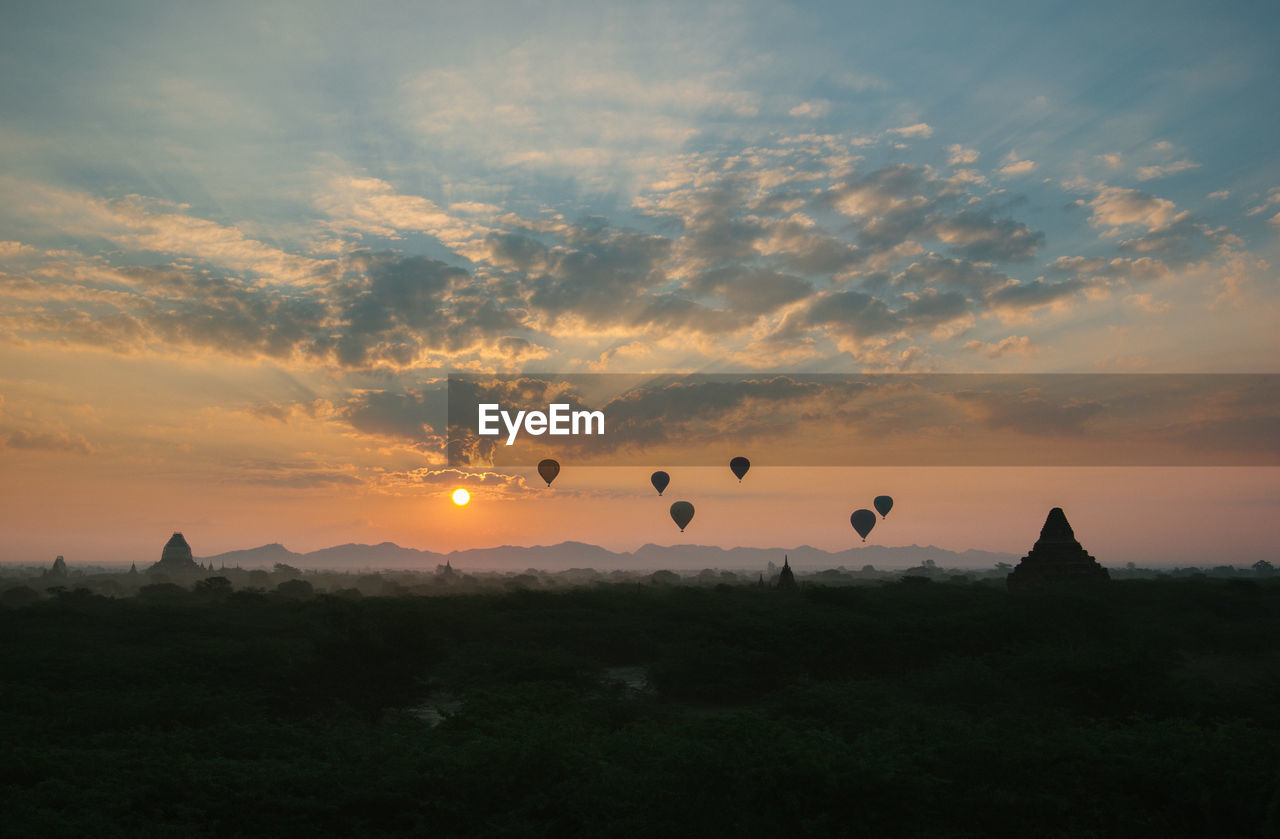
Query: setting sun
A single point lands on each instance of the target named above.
(461, 497)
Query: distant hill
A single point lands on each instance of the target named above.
(581, 555)
(264, 556)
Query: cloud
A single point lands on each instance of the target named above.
(920, 129)
(1116, 207)
(751, 291)
(1148, 303)
(294, 476)
(42, 441)
(857, 315)
(371, 205)
(981, 237)
(587, 112)
(958, 155)
(933, 272)
(417, 416)
(1012, 165)
(1273, 197)
(1147, 173)
(385, 310)
(1013, 345)
(1032, 412)
(1178, 242)
(9, 250)
(633, 351)
(148, 224)
(1032, 295)
(811, 110)
(449, 479)
(1140, 269)
(788, 250)
(602, 276)
(882, 191)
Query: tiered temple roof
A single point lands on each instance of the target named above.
(176, 557)
(1056, 558)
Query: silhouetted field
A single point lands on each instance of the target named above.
(916, 708)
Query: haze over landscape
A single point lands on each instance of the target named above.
(244, 246)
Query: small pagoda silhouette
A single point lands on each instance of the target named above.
(1056, 558)
(786, 579)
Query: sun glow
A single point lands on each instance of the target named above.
(461, 497)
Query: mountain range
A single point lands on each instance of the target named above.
(805, 558)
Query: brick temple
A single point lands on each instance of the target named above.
(1056, 558)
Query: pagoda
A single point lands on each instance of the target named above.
(176, 557)
(1056, 558)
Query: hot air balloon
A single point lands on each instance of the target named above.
(548, 469)
(682, 514)
(739, 467)
(659, 481)
(863, 521)
(883, 505)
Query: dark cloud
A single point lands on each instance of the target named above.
(236, 318)
(519, 252)
(860, 315)
(601, 272)
(414, 415)
(294, 478)
(61, 442)
(981, 237)
(976, 281)
(1183, 241)
(746, 240)
(1035, 293)
(1257, 437)
(673, 313)
(385, 309)
(820, 254)
(754, 291)
(715, 229)
(1032, 412)
(1141, 269)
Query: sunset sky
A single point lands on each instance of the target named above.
(243, 245)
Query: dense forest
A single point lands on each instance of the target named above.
(924, 706)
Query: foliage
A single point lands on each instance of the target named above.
(914, 708)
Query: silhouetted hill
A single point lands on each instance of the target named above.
(544, 557)
(805, 559)
(383, 555)
(264, 555)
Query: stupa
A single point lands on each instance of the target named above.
(1056, 558)
(786, 578)
(176, 557)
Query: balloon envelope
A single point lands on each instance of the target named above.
(883, 505)
(682, 514)
(863, 521)
(660, 481)
(739, 466)
(548, 469)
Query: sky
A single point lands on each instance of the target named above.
(242, 246)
